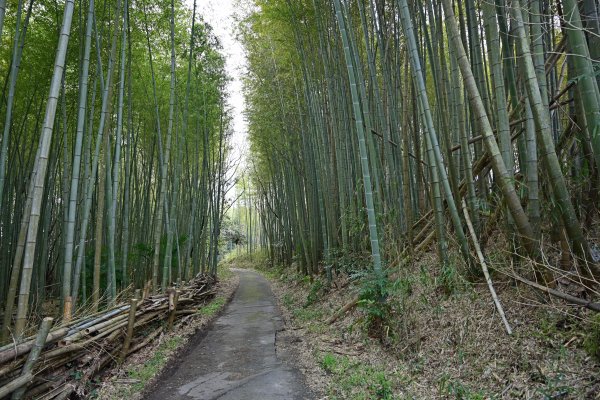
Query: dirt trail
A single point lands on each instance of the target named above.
(237, 358)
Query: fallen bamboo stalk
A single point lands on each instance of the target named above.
(92, 342)
(15, 384)
(40, 342)
(486, 273)
(342, 311)
(185, 312)
(575, 300)
(102, 317)
(23, 348)
(145, 342)
(35, 391)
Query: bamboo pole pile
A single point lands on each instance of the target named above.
(56, 363)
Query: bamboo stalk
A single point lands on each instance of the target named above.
(67, 311)
(40, 341)
(484, 267)
(16, 350)
(16, 384)
(130, 324)
(173, 297)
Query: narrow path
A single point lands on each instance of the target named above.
(237, 358)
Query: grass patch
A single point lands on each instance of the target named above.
(143, 373)
(256, 260)
(455, 389)
(307, 314)
(357, 380)
(213, 307)
(224, 273)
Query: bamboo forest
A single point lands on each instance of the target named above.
(300, 199)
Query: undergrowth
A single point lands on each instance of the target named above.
(353, 379)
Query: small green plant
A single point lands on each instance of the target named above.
(288, 300)
(154, 365)
(554, 388)
(328, 362)
(314, 293)
(591, 342)
(213, 307)
(372, 299)
(307, 314)
(457, 390)
(449, 279)
(382, 386)
(357, 380)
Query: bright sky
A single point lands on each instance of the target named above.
(220, 15)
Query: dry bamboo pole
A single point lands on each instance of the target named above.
(36, 391)
(144, 342)
(173, 297)
(16, 350)
(15, 384)
(130, 324)
(40, 342)
(484, 267)
(67, 311)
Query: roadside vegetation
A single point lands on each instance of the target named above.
(438, 338)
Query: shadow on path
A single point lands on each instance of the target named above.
(236, 359)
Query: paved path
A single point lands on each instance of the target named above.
(236, 359)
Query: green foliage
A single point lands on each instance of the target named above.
(143, 373)
(591, 342)
(449, 280)
(357, 380)
(307, 314)
(288, 300)
(328, 362)
(457, 390)
(315, 292)
(373, 295)
(213, 307)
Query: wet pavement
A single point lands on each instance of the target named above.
(237, 357)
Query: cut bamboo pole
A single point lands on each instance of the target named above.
(350, 305)
(147, 340)
(40, 342)
(484, 267)
(67, 311)
(16, 384)
(23, 348)
(130, 324)
(173, 297)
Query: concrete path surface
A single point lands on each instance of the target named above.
(237, 358)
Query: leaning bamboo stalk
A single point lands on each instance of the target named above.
(40, 341)
(575, 300)
(484, 267)
(130, 324)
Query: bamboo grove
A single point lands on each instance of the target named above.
(114, 155)
(372, 122)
